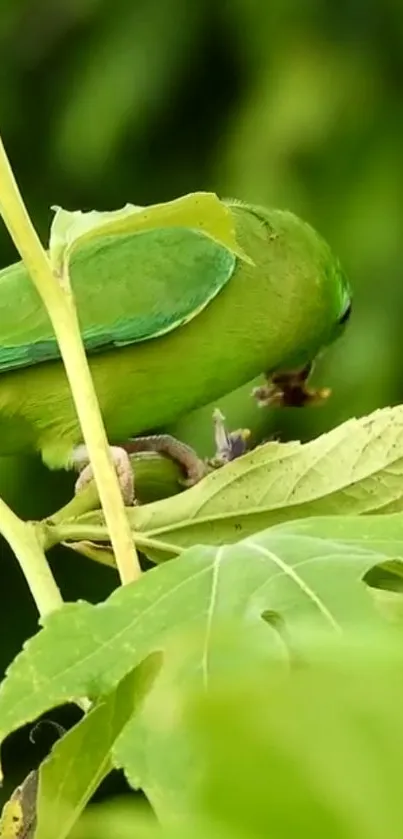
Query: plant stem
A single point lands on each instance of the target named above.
(157, 545)
(23, 539)
(62, 312)
(76, 531)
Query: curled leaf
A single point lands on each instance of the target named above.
(202, 211)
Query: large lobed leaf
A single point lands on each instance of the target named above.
(317, 746)
(85, 650)
(266, 587)
(265, 591)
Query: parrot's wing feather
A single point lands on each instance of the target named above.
(128, 289)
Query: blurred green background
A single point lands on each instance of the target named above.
(292, 103)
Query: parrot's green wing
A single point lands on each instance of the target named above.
(129, 287)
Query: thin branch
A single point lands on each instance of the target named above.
(62, 312)
(24, 540)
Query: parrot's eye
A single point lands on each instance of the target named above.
(346, 314)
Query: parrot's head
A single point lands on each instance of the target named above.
(296, 268)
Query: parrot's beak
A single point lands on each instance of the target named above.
(290, 390)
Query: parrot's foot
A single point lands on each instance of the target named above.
(290, 390)
(229, 444)
(122, 465)
(194, 468)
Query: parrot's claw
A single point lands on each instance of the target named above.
(122, 465)
(229, 444)
(290, 390)
(194, 468)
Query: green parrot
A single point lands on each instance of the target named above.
(179, 304)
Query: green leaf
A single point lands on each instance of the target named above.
(355, 469)
(85, 650)
(381, 534)
(202, 211)
(315, 753)
(83, 757)
(313, 750)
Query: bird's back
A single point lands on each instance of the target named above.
(128, 289)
